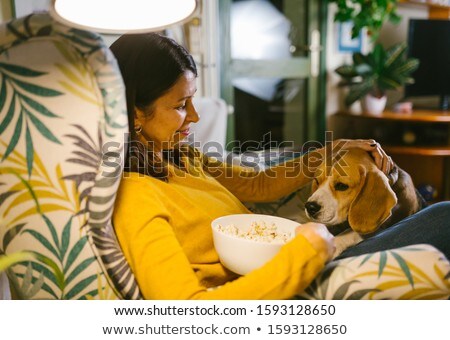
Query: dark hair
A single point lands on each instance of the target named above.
(150, 65)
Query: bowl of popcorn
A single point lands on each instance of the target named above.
(245, 242)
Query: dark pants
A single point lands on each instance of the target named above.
(430, 225)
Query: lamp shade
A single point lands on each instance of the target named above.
(122, 16)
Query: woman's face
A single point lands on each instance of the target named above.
(171, 115)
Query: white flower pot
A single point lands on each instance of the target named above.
(373, 105)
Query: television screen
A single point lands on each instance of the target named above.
(429, 41)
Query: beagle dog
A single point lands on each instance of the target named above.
(354, 199)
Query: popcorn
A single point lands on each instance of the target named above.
(259, 232)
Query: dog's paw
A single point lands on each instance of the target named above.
(345, 240)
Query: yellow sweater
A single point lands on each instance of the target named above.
(164, 231)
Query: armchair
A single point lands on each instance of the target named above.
(62, 128)
(63, 122)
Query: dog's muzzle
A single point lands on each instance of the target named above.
(312, 208)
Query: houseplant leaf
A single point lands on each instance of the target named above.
(394, 53)
(358, 91)
(347, 71)
(367, 14)
(377, 71)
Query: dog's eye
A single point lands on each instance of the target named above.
(340, 186)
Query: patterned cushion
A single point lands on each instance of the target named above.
(413, 272)
(63, 121)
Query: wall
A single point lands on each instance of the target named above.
(390, 34)
(335, 95)
(5, 10)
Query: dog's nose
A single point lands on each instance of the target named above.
(312, 208)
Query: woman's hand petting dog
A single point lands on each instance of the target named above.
(382, 160)
(319, 237)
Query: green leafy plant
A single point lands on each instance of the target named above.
(376, 72)
(367, 13)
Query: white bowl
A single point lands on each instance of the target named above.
(241, 255)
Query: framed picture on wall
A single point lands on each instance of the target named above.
(21, 8)
(345, 41)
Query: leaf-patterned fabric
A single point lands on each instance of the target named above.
(413, 272)
(63, 122)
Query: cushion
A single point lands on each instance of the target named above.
(413, 272)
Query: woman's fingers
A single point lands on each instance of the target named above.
(386, 165)
(377, 154)
(386, 161)
(382, 160)
(366, 144)
(319, 236)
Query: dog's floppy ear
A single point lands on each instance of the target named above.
(373, 203)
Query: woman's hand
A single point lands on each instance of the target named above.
(319, 237)
(382, 160)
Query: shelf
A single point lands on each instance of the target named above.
(418, 150)
(424, 3)
(417, 116)
(436, 11)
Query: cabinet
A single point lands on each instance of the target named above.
(418, 142)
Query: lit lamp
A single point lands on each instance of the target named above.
(122, 16)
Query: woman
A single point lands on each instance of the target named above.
(170, 193)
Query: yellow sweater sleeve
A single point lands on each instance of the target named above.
(250, 185)
(163, 271)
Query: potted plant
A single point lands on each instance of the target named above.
(371, 75)
(367, 14)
